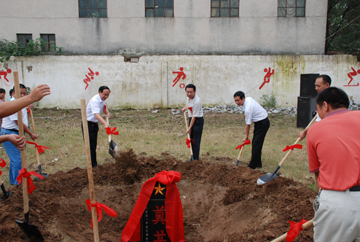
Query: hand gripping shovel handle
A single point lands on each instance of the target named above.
(188, 135)
(283, 237)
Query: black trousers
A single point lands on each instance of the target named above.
(93, 133)
(196, 133)
(260, 130)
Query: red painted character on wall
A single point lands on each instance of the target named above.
(4, 74)
(88, 79)
(350, 75)
(180, 74)
(267, 76)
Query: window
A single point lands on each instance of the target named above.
(24, 39)
(291, 8)
(225, 8)
(159, 8)
(92, 9)
(49, 41)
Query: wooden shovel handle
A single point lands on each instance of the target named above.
(89, 170)
(297, 141)
(21, 133)
(188, 135)
(35, 140)
(283, 237)
(107, 120)
(241, 149)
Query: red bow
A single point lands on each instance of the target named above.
(23, 173)
(245, 143)
(292, 147)
(99, 208)
(190, 108)
(2, 163)
(28, 111)
(294, 230)
(111, 131)
(40, 148)
(188, 142)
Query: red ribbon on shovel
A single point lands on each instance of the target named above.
(111, 131)
(245, 143)
(99, 207)
(188, 142)
(23, 173)
(292, 147)
(2, 164)
(39, 148)
(190, 108)
(294, 230)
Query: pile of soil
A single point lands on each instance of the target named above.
(220, 202)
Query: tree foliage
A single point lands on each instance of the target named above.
(33, 48)
(343, 27)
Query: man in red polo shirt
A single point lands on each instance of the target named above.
(333, 151)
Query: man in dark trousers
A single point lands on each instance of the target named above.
(333, 151)
(93, 112)
(257, 114)
(196, 120)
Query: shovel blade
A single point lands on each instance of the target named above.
(113, 149)
(266, 178)
(31, 231)
(237, 163)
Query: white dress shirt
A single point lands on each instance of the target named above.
(195, 103)
(253, 111)
(95, 105)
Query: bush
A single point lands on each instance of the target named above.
(269, 102)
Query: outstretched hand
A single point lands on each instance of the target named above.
(39, 92)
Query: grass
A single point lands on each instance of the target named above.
(154, 134)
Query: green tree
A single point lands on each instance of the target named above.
(343, 27)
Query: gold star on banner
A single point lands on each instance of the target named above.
(159, 189)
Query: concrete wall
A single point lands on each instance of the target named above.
(192, 31)
(149, 83)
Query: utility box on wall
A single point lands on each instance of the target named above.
(306, 106)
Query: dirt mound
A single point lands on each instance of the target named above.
(220, 202)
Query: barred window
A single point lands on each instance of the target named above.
(291, 8)
(92, 8)
(225, 8)
(24, 39)
(159, 8)
(49, 41)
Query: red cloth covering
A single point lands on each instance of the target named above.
(111, 131)
(294, 230)
(245, 143)
(292, 147)
(173, 208)
(2, 163)
(188, 142)
(99, 207)
(23, 173)
(39, 148)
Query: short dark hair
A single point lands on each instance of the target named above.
(334, 96)
(190, 86)
(102, 88)
(326, 79)
(11, 91)
(2, 90)
(22, 86)
(239, 94)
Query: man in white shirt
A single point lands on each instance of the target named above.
(257, 114)
(321, 83)
(196, 120)
(9, 127)
(93, 112)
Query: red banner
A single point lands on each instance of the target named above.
(39, 148)
(111, 131)
(294, 230)
(245, 143)
(99, 207)
(23, 173)
(292, 147)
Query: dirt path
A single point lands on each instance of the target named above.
(220, 202)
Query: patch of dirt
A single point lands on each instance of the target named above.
(220, 202)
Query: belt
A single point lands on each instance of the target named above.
(93, 123)
(355, 189)
(12, 130)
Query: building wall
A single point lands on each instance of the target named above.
(192, 31)
(150, 82)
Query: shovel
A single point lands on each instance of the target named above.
(6, 194)
(37, 153)
(31, 231)
(188, 135)
(113, 149)
(238, 159)
(283, 237)
(272, 175)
